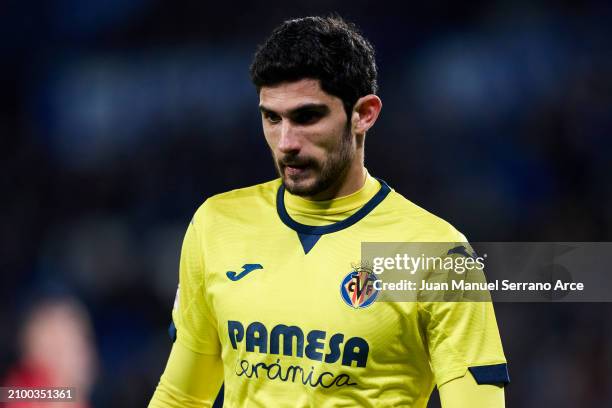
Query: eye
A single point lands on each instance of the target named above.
(307, 117)
(271, 117)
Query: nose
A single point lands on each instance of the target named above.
(289, 141)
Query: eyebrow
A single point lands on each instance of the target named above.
(308, 107)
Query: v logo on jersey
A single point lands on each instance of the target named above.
(246, 269)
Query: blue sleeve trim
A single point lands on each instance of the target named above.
(491, 374)
(461, 250)
(220, 396)
(172, 331)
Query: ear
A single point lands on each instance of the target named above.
(365, 113)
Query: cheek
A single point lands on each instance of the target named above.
(271, 136)
(328, 138)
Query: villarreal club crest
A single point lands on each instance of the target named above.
(357, 288)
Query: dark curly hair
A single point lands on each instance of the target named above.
(329, 49)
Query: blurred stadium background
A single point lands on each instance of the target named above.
(119, 117)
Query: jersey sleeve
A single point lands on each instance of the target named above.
(461, 334)
(196, 326)
(190, 380)
(465, 392)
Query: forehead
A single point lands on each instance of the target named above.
(290, 95)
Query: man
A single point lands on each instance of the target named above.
(259, 308)
(56, 350)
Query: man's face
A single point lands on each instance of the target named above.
(308, 133)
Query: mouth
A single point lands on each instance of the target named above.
(295, 169)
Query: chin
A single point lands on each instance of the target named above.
(301, 187)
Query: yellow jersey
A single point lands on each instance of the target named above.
(263, 284)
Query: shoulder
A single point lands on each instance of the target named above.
(421, 224)
(247, 201)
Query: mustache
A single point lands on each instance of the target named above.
(296, 162)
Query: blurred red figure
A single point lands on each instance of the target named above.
(57, 350)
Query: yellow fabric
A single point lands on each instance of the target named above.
(460, 333)
(192, 316)
(283, 332)
(464, 392)
(190, 380)
(327, 212)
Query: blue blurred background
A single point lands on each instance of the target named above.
(118, 118)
